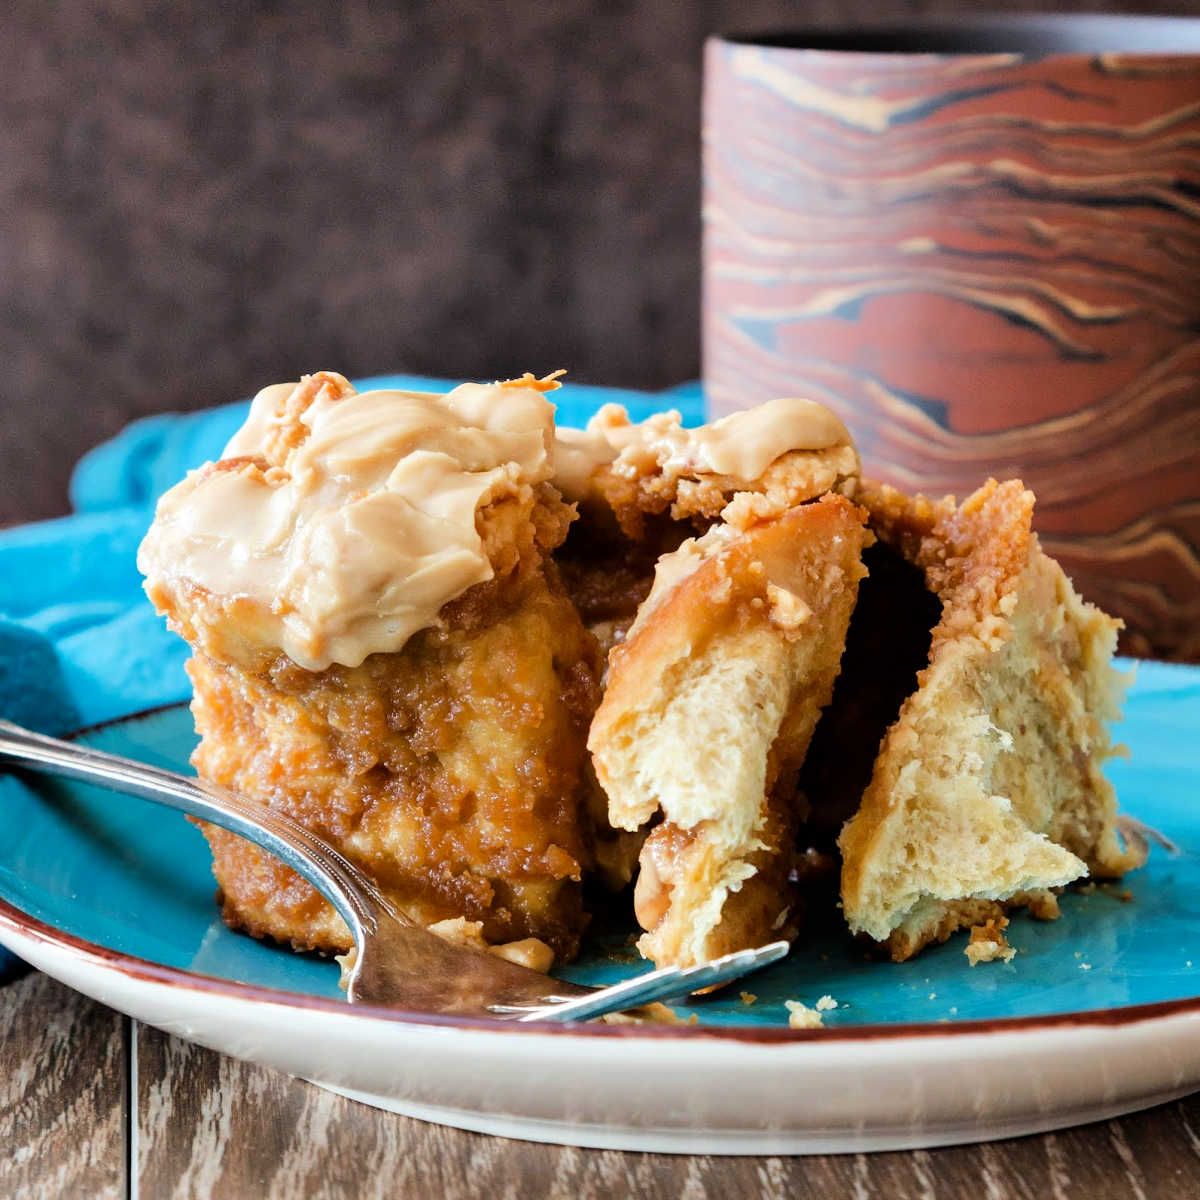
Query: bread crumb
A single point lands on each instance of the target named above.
(988, 942)
(1085, 966)
(528, 952)
(748, 997)
(788, 611)
(826, 1003)
(800, 1016)
(650, 1014)
(1125, 897)
(461, 932)
(933, 995)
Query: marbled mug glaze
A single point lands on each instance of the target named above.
(986, 263)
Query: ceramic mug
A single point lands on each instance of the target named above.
(979, 245)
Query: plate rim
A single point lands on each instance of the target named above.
(140, 970)
(105, 958)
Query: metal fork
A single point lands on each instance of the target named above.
(395, 962)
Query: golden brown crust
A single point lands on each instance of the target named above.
(451, 770)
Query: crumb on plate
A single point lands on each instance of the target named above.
(650, 1014)
(800, 1016)
(988, 942)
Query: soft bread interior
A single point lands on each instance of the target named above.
(709, 710)
(988, 787)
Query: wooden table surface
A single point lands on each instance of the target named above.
(93, 1104)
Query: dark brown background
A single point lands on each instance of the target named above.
(200, 198)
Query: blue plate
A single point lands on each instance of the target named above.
(127, 876)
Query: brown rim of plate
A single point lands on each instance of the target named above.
(145, 971)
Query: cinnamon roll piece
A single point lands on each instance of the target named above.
(987, 790)
(383, 649)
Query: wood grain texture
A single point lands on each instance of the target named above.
(63, 1097)
(986, 264)
(212, 1125)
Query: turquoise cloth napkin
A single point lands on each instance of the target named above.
(79, 642)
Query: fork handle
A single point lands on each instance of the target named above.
(337, 879)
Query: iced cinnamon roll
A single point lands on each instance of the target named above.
(383, 649)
